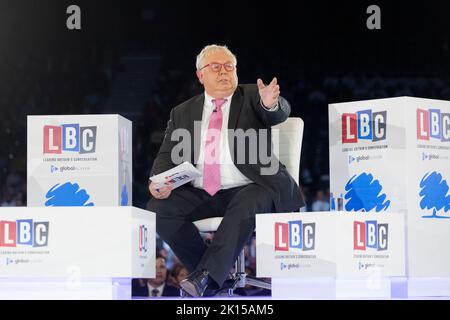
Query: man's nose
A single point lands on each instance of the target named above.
(222, 70)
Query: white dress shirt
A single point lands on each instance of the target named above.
(151, 288)
(230, 176)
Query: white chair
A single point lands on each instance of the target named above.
(290, 135)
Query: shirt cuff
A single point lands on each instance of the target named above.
(267, 109)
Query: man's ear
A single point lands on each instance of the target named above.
(200, 76)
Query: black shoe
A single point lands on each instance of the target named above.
(195, 284)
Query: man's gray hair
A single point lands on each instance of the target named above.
(209, 49)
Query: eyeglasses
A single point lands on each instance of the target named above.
(215, 66)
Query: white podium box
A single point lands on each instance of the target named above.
(295, 245)
(345, 255)
(79, 160)
(74, 252)
(393, 155)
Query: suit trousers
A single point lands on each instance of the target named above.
(238, 207)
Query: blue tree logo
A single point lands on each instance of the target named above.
(364, 193)
(68, 194)
(434, 193)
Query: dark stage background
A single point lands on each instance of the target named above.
(137, 58)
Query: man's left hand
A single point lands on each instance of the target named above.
(269, 94)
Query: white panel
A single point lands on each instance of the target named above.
(416, 150)
(83, 175)
(79, 242)
(280, 253)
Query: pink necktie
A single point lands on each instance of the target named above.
(211, 165)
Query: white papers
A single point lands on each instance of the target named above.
(177, 176)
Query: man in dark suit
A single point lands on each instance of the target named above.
(241, 176)
(156, 287)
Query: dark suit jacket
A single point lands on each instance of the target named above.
(246, 113)
(142, 291)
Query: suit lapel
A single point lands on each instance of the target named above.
(196, 115)
(235, 109)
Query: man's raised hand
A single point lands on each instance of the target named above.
(269, 94)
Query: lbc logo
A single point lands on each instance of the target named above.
(295, 235)
(370, 234)
(364, 125)
(24, 232)
(70, 138)
(143, 238)
(434, 124)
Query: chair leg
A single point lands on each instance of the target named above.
(241, 278)
(183, 293)
(240, 274)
